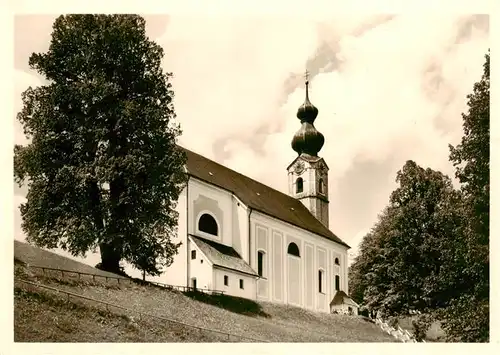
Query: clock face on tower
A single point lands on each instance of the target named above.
(299, 168)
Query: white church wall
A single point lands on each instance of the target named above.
(309, 275)
(240, 228)
(276, 273)
(206, 198)
(340, 270)
(199, 268)
(175, 274)
(321, 301)
(233, 286)
(262, 245)
(295, 272)
(288, 270)
(294, 286)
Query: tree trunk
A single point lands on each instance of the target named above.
(111, 252)
(110, 258)
(110, 255)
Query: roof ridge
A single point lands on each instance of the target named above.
(211, 242)
(224, 251)
(245, 176)
(301, 216)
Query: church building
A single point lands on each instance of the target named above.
(250, 240)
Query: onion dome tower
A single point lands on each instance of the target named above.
(308, 173)
(307, 140)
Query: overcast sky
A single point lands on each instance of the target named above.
(388, 89)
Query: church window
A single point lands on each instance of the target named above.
(337, 283)
(208, 224)
(260, 263)
(300, 185)
(226, 280)
(320, 186)
(320, 281)
(193, 254)
(337, 262)
(241, 284)
(293, 249)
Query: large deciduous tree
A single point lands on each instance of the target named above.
(400, 267)
(102, 166)
(429, 250)
(468, 318)
(429, 213)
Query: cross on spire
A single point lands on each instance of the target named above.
(307, 77)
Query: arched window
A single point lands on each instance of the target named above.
(261, 263)
(337, 283)
(320, 281)
(320, 186)
(299, 185)
(207, 224)
(293, 249)
(337, 262)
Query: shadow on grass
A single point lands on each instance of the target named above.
(233, 304)
(18, 261)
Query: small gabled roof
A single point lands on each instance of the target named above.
(222, 255)
(256, 195)
(341, 297)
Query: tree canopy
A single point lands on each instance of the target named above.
(429, 250)
(468, 317)
(102, 166)
(399, 267)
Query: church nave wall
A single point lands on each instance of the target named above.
(294, 279)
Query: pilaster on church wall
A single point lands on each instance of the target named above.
(333, 249)
(240, 228)
(290, 229)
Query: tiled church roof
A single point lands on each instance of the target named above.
(222, 255)
(256, 195)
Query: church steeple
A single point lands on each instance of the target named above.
(307, 139)
(308, 173)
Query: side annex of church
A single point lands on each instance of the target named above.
(250, 240)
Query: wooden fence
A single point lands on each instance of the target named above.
(128, 280)
(401, 334)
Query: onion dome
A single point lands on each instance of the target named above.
(307, 112)
(307, 139)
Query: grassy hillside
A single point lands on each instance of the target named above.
(30, 255)
(43, 315)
